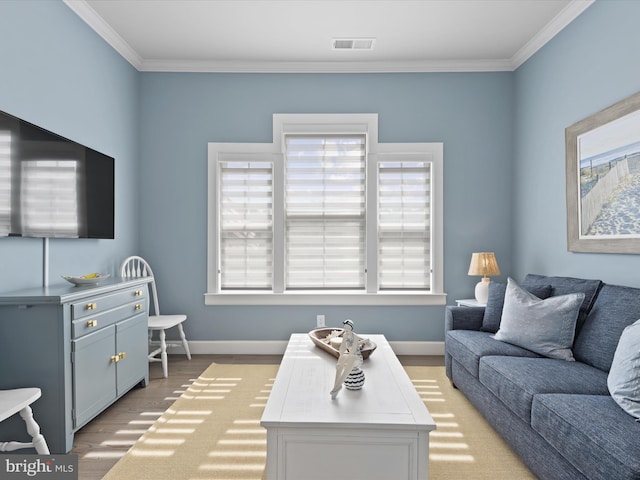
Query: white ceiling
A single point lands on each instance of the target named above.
(296, 35)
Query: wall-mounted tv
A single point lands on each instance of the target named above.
(51, 186)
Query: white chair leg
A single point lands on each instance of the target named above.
(184, 341)
(12, 446)
(163, 354)
(33, 428)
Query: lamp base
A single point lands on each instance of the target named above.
(482, 291)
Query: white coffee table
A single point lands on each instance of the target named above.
(380, 432)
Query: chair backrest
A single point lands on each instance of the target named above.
(137, 267)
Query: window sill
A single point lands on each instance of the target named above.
(333, 298)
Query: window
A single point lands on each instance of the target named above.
(325, 213)
(404, 222)
(246, 222)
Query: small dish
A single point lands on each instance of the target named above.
(86, 280)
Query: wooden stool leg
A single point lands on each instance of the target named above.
(33, 428)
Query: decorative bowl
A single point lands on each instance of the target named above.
(91, 279)
(322, 338)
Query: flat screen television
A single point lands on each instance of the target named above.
(51, 186)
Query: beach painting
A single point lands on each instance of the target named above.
(603, 180)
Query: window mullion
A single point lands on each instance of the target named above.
(371, 239)
(278, 224)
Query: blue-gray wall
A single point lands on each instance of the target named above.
(57, 73)
(503, 137)
(590, 65)
(470, 113)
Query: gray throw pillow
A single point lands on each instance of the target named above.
(495, 303)
(624, 377)
(546, 327)
(564, 285)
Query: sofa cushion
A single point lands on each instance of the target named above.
(615, 308)
(624, 376)
(544, 326)
(495, 303)
(515, 380)
(591, 432)
(468, 346)
(565, 285)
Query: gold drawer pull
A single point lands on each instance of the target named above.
(92, 323)
(137, 293)
(92, 306)
(115, 358)
(138, 306)
(122, 355)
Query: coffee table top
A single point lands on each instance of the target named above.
(300, 394)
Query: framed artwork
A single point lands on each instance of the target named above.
(603, 180)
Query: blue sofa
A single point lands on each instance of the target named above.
(557, 415)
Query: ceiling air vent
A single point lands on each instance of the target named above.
(353, 43)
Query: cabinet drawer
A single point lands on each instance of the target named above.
(92, 323)
(94, 305)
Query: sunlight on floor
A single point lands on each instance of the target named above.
(142, 422)
(97, 453)
(242, 447)
(118, 443)
(151, 453)
(239, 454)
(447, 442)
(165, 441)
(130, 432)
(185, 421)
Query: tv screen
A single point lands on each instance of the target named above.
(51, 186)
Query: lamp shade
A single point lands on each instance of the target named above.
(484, 264)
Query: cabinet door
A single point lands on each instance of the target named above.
(94, 374)
(132, 347)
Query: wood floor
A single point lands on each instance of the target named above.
(101, 443)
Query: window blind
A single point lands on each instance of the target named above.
(404, 217)
(50, 197)
(5, 183)
(246, 222)
(325, 211)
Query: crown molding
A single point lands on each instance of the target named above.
(102, 28)
(325, 67)
(567, 15)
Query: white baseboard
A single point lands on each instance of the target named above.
(242, 347)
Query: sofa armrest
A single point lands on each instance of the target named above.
(463, 318)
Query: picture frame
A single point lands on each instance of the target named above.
(603, 180)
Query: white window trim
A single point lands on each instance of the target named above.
(327, 123)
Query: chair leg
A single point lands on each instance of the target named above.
(184, 341)
(163, 354)
(33, 428)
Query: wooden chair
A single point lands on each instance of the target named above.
(137, 267)
(19, 400)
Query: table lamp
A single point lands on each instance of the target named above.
(485, 264)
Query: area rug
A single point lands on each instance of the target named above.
(213, 432)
